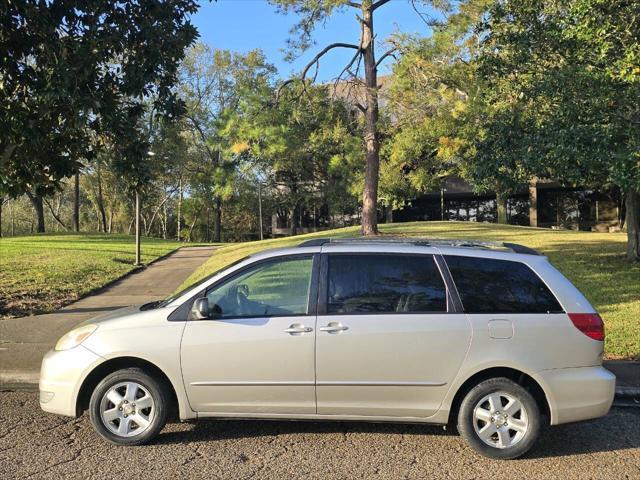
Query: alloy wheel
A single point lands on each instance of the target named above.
(127, 409)
(500, 420)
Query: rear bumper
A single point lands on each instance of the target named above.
(61, 376)
(576, 394)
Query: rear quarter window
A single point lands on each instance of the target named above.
(488, 285)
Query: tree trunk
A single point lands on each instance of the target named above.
(193, 224)
(36, 201)
(1, 203)
(76, 202)
(294, 220)
(165, 219)
(13, 220)
(501, 203)
(372, 146)
(179, 220)
(208, 225)
(633, 224)
(217, 221)
(103, 214)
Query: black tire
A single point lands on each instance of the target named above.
(156, 414)
(522, 441)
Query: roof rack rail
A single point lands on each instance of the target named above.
(426, 242)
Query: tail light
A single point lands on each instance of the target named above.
(590, 324)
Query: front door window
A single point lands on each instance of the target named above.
(274, 288)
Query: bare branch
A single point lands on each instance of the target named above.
(347, 68)
(53, 213)
(315, 61)
(323, 52)
(378, 4)
(428, 20)
(354, 4)
(203, 136)
(389, 53)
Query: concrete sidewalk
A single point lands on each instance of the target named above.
(24, 341)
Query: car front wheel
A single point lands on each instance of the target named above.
(128, 407)
(499, 419)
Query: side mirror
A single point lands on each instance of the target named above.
(200, 309)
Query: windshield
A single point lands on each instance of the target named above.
(193, 286)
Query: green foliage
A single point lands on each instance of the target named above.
(506, 91)
(73, 74)
(551, 105)
(215, 84)
(429, 100)
(305, 146)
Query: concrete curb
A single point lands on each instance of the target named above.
(10, 380)
(628, 392)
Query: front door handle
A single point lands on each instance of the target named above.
(334, 327)
(297, 328)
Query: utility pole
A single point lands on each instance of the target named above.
(137, 263)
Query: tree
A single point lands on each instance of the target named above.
(305, 146)
(313, 12)
(609, 32)
(437, 116)
(72, 72)
(213, 83)
(559, 97)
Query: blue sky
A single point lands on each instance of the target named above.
(243, 25)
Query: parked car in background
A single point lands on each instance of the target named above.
(488, 337)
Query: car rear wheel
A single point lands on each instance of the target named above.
(128, 407)
(499, 419)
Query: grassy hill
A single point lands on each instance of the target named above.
(41, 273)
(594, 262)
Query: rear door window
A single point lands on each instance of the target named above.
(488, 285)
(370, 283)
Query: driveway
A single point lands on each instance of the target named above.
(24, 341)
(37, 445)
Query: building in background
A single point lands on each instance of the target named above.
(544, 204)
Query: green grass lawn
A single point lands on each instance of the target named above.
(594, 262)
(44, 272)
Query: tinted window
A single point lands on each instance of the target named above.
(279, 287)
(384, 284)
(499, 286)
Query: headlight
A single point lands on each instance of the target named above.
(75, 337)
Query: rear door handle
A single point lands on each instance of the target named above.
(334, 327)
(297, 328)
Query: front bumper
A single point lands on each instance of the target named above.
(61, 377)
(577, 394)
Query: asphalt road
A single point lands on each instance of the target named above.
(37, 445)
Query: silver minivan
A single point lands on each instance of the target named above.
(487, 337)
